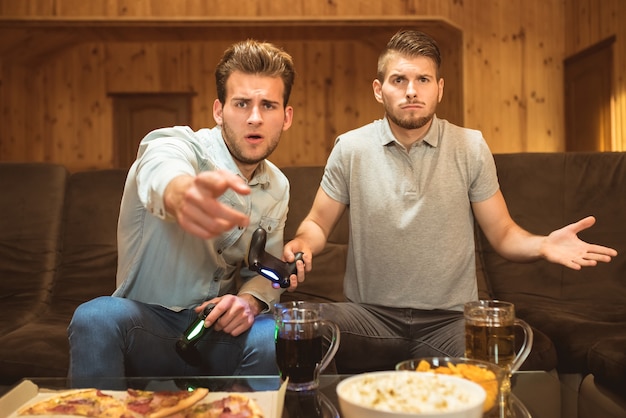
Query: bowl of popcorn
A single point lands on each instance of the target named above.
(409, 394)
(488, 375)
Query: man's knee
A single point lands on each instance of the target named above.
(259, 355)
(87, 312)
(261, 336)
(97, 314)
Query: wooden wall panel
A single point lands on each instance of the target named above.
(12, 80)
(332, 94)
(510, 65)
(252, 8)
(76, 111)
(514, 93)
(589, 22)
(335, 96)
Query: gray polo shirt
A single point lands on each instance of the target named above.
(162, 264)
(411, 222)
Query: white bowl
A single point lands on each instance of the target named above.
(408, 394)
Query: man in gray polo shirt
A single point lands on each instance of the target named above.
(414, 184)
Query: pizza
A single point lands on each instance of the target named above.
(162, 403)
(233, 405)
(93, 403)
(86, 403)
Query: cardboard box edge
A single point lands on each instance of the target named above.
(16, 397)
(26, 390)
(280, 401)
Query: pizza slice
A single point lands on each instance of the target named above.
(93, 403)
(161, 404)
(234, 405)
(83, 402)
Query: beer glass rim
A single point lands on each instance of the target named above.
(489, 303)
(296, 304)
(297, 311)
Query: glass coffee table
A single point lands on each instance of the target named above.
(536, 394)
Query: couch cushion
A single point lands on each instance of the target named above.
(607, 362)
(572, 327)
(304, 183)
(89, 261)
(597, 401)
(545, 192)
(542, 354)
(87, 270)
(325, 282)
(30, 230)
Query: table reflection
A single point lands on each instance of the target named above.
(309, 404)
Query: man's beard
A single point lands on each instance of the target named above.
(238, 152)
(408, 122)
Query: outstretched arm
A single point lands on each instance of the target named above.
(193, 202)
(516, 244)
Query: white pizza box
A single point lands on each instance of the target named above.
(27, 392)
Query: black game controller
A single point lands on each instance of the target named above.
(186, 344)
(267, 265)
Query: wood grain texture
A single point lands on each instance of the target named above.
(60, 59)
(589, 22)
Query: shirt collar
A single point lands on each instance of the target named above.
(260, 175)
(431, 137)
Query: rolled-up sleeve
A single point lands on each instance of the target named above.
(162, 156)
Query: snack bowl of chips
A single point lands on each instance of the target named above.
(409, 394)
(488, 375)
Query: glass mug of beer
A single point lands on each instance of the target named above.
(490, 336)
(301, 336)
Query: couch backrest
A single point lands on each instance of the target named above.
(325, 281)
(89, 263)
(545, 191)
(304, 183)
(30, 226)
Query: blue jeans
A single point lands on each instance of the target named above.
(378, 337)
(117, 337)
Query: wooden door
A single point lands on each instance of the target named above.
(134, 115)
(588, 98)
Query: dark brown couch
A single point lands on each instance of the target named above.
(58, 249)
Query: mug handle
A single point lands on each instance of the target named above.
(527, 345)
(332, 349)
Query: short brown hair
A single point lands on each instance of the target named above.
(253, 57)
(410, 43)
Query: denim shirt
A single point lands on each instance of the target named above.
(159, 262)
